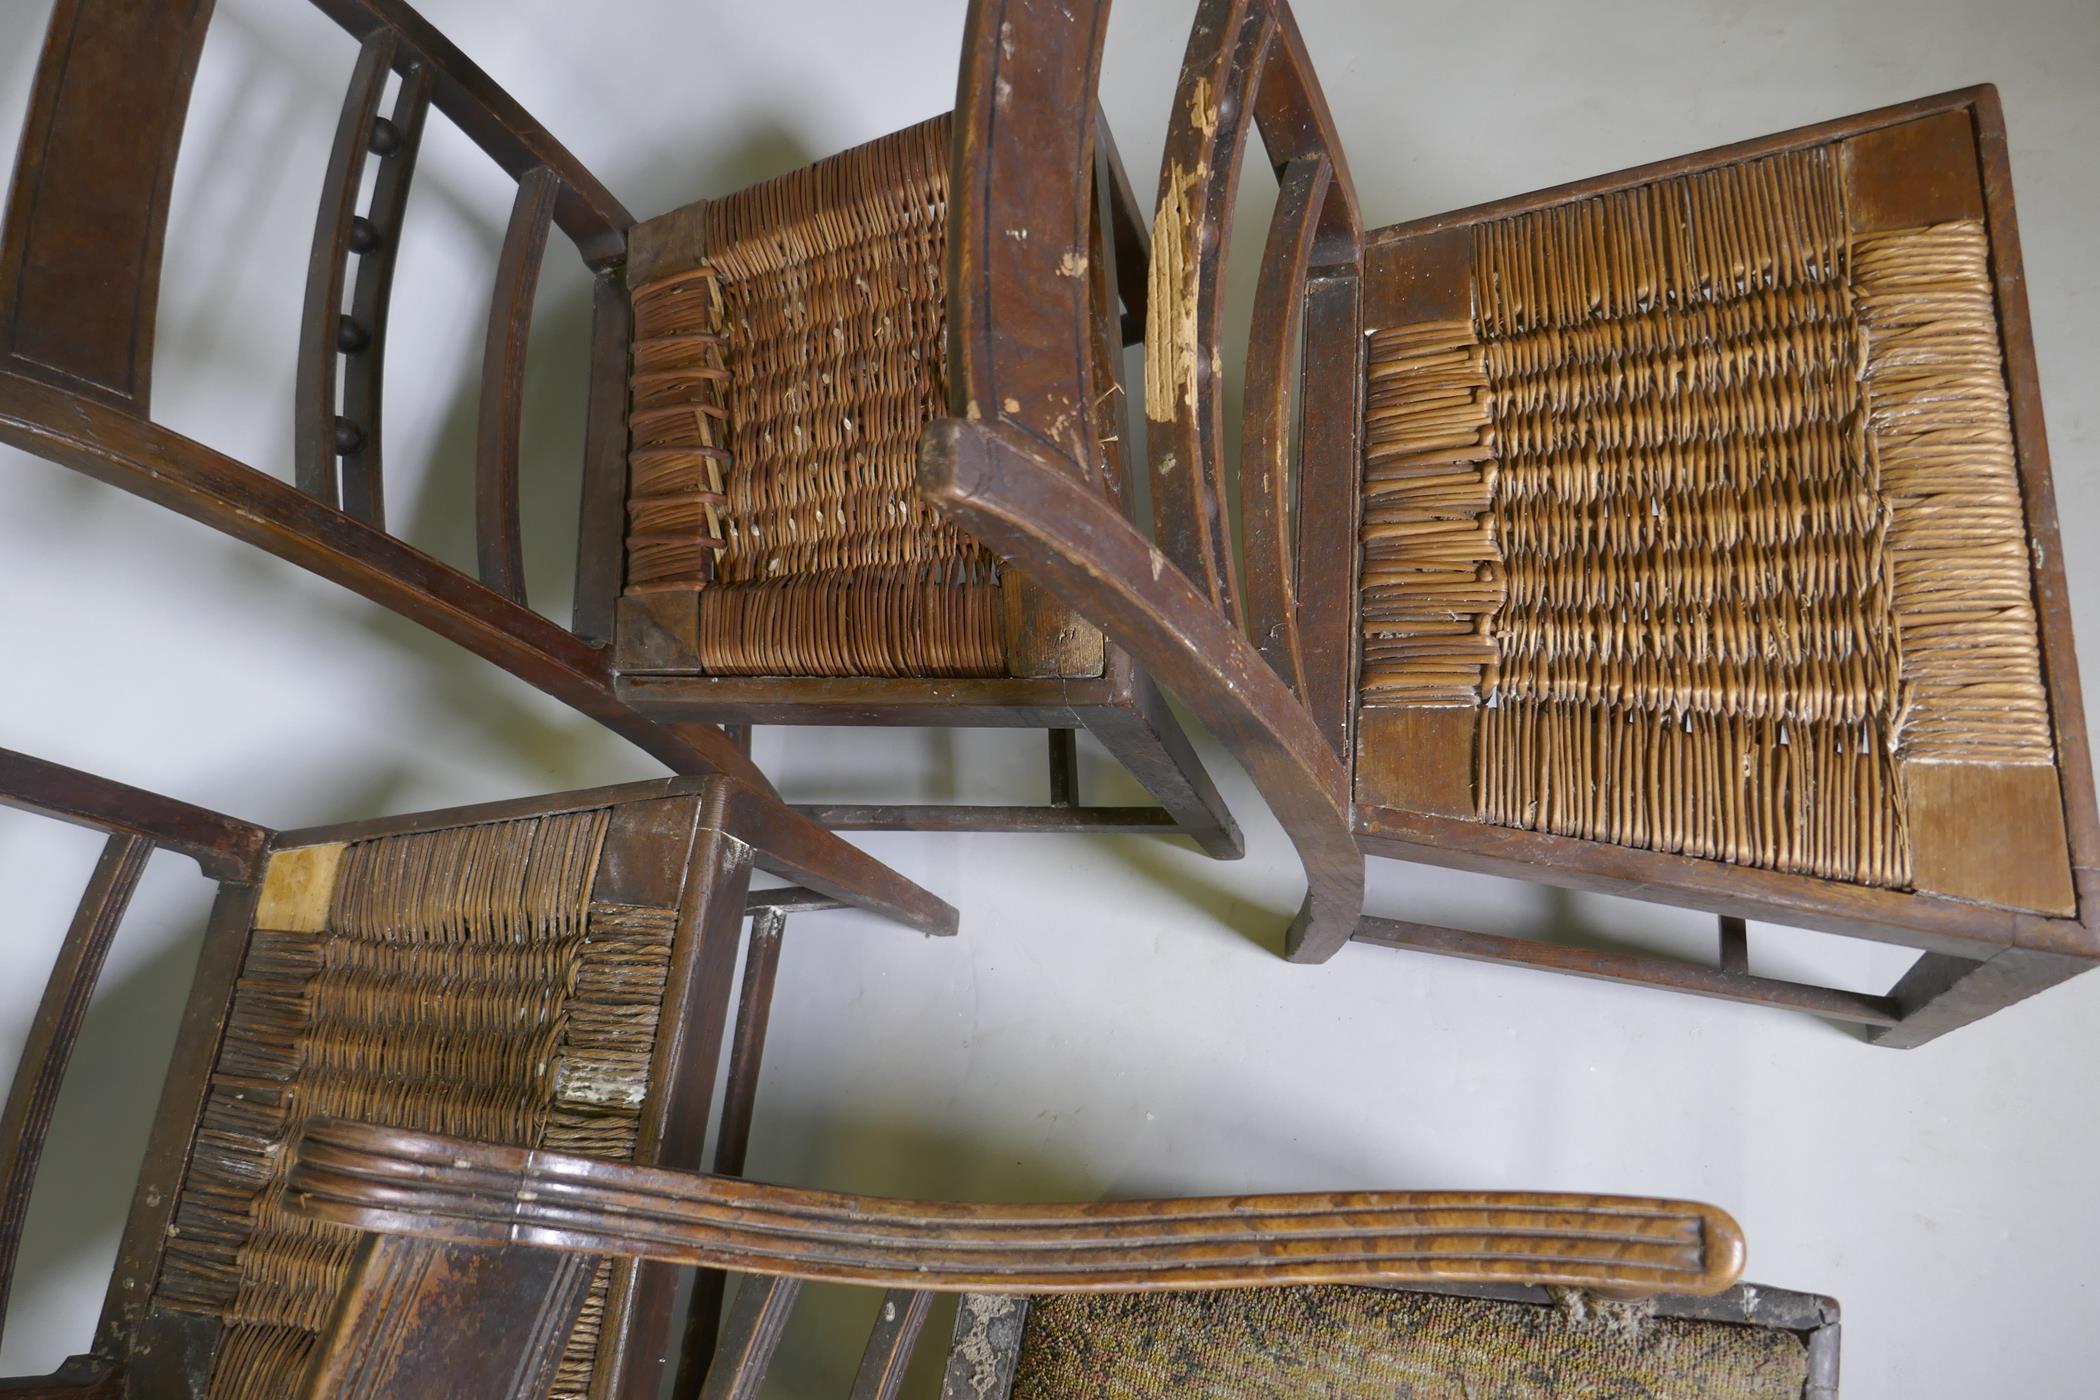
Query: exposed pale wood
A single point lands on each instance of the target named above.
(447, 1188)
(1184, 396)
(498, 540)
(60, 1014)
(297, 885)
(789, 899)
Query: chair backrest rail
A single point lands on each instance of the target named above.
(320, 434)
(192, 479)
(227, 848)
(495, 121)
(1330, 396)
(88, 211)
(60, 1014)
(601, 515)
(1265, 433)
(1198, 186)
(498, 537)
(376, 239)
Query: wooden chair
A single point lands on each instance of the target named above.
(552, 973)
(1684, 534)
(495, 1247)
(750, 547)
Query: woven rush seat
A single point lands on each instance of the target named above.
(780, 386)
(460, 980)
(1692, 513)
(1334, 1343)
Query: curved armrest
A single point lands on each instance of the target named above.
(1010, 491)
(461, 1192)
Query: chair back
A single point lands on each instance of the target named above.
(80, 267)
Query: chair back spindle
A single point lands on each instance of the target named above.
(499, 541)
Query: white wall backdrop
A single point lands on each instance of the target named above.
(1114, 1019)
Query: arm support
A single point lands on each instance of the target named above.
(455, 1191)
(1009, 491)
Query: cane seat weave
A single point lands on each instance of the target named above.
(460, 981)
(1326, 1342)
(780, 386)
(1694, 510)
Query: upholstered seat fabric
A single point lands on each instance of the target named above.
(1332, 1343)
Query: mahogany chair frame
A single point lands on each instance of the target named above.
(1267, 653)
(473, 1239)
(684, 842)
(79, 278)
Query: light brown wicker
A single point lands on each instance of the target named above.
(463, 983)
(1710, 506)
(779, 390)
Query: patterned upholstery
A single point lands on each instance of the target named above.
(1342, 1343)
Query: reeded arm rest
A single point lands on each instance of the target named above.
(462, 1192)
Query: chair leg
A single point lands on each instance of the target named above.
(789, 844)
(747, 1048)
(1943, 993)
(1146, 738)
(1064, 767)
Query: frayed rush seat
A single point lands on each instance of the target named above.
(544, 973)
(780, 387)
